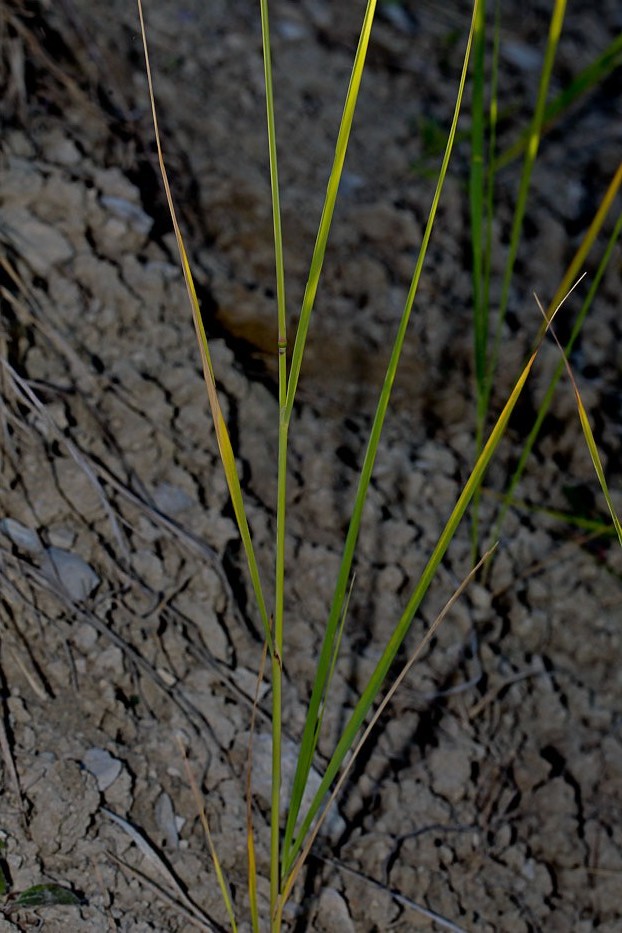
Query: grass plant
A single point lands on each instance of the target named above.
(486, 163)
(290, 842)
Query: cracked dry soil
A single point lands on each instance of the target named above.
(490, 794)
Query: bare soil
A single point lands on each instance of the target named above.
(489, 797)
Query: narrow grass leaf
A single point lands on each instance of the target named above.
(578, 260)
(587, 79)
(222, 435)
(279, 580)
(482, 347)
(198, 799)
(333, 663)
(378, 713)
(597, 528)
(587, 431)
(250, 836)
(576, 263)
(274, 184)
(310, 733)
(492, 148)
(476, 197)
(533, 143)
(591, 443)
(377, 678)
(332, 189)
(44, 895)
(484, 203)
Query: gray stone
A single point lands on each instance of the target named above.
(104, 767)
(171, 499)
(165, 818)
(22, 537)
(73, 573)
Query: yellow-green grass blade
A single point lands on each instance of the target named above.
(578, 260)
(277, 669)
(487, 207)
(576, 263)
(587, 431)
(321, 241)
(222, 435)
(250, 835)
(317, 261)
(587, 79)
(600, 473)
(533, 143)
(279, 570)
(252, 881)
(220, 877)
(490, 175)
(592, 75)
(481, 204)
(596, 528)
(310, 733)
(224, 887)
(476, 197)
(424, 642)
(274, 187)
(333, 663)
(308, 745)
(376, 680)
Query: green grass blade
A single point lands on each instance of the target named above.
(333, 661)
(574, 269)
(319, 249)
(222, 434)
(377, 678)
(310, 733)
(533, 142)
(592, 75)
(600, 473)
(43, 895)
(587, 431)
(279, 571)
(595, 527)
(274, 185)
(425, 641)
(476, 199)
(250, 835)
(321, 241)
(481, 183)
(252, 882)
(492, 149)
(200, 805)
(576, 263)
(481, 347)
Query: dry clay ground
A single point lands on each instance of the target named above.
(490, 794)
